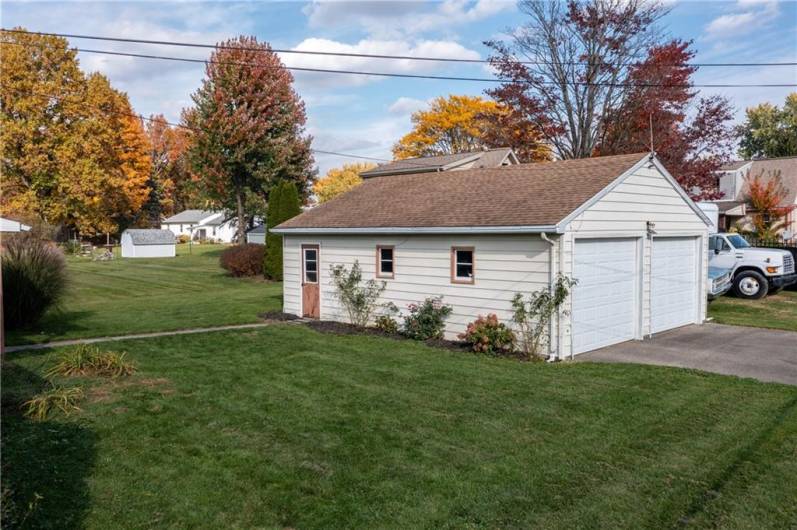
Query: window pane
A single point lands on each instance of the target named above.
(464, 270)
(310, 266)
(386, 253)
(310, 254)
(387, 267)
(464, 256)
(311, 276)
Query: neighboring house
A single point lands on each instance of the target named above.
(257, 235)
(620, 225)
(200, 225)
(10, 225)
(474, 160)
(147, 243)
(733, 210)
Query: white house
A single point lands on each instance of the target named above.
(257, 235)
(149, 243)
(200, 225)
(620, 225)
(10, 225)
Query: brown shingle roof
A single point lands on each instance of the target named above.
(539, 194)
(489, 158)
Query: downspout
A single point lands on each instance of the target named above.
(551, 261)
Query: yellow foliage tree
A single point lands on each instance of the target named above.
(340, 180)
(451, 125)
(73, 152)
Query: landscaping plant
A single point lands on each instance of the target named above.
(386, 322)
(283, 204)
(427, 319)
(86, 359)
(532, 317)
(34, 279)
(488, 335)
(243, 260)
(61, 398)
(357, 298)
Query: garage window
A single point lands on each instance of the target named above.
(463, 265)
(385, 266)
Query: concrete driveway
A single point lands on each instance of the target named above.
(764, 354)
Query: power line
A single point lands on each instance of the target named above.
(409, 76)
(365, 55)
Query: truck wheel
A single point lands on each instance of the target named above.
(750, 285)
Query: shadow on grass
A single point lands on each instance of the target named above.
(54, 325)
(44, 464)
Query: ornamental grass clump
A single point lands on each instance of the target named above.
(86, 360)
(60, 398)
(34, 279)
(488, 335)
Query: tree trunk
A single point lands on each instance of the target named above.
(239, 202)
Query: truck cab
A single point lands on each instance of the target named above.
(756, 271)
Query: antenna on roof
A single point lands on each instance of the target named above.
(650, 123)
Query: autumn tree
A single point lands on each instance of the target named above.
(692, 136)
(74, 154)
(340, 180)
(566, 69)
(765, 194)
(174, 187)
(770, 131)
(283, 204)
(248, 125)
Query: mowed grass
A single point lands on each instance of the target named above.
(142, 295)
(284, 427)
(778, 311)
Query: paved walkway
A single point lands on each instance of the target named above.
(92, 340)
(764, 354)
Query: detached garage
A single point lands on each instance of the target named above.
(142, 243)
(620, 225)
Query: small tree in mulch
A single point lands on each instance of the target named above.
(359, 299)
(531, 317)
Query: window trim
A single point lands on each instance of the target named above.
(304, 265)
(458, 279)
(379, 273)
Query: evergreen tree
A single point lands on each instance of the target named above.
(280, 208)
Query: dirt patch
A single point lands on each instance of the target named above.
(109, 391)
(277, 316)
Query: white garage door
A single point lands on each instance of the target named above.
(605, 298)
(673, 297)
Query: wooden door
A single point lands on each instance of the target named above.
(311, 306)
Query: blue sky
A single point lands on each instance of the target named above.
(365, 116)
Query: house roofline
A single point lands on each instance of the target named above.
(402, 230)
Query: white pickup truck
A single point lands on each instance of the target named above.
(756, 271)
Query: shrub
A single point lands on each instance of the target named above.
(386, 322)
(85, 359)
(487, 335)
(532, 317)
(34, 279)
(427, 319)
(61, 398)
(182, 238)
(283, 204)
(358, 299)
(243, 260)
(71, 247)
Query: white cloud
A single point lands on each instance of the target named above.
(315, 80)
(391, 18)
(749, 15)
(406, 106)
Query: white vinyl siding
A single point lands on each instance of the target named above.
(504, 264)
(644, 196)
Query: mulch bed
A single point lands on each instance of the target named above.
(277, 316)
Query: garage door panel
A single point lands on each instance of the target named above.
(674, 266)
(604, 300)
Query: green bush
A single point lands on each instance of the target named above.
(427, 319)
(283, 204)
(531, 317)
(243, 260)
(488, 335)
(34, 279)
(357, 298)
(86, 359)
(71, 247)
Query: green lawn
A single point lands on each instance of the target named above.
(140, 295)
(777, 311)
(284, 427)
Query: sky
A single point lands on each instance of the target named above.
(366, 115)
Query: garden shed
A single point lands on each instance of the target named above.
(619, 225)
(146, 243)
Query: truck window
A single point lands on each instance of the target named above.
(738, 241)
(718, 243)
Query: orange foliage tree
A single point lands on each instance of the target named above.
(765, 196)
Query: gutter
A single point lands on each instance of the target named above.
(530, 229)
(552, 357)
